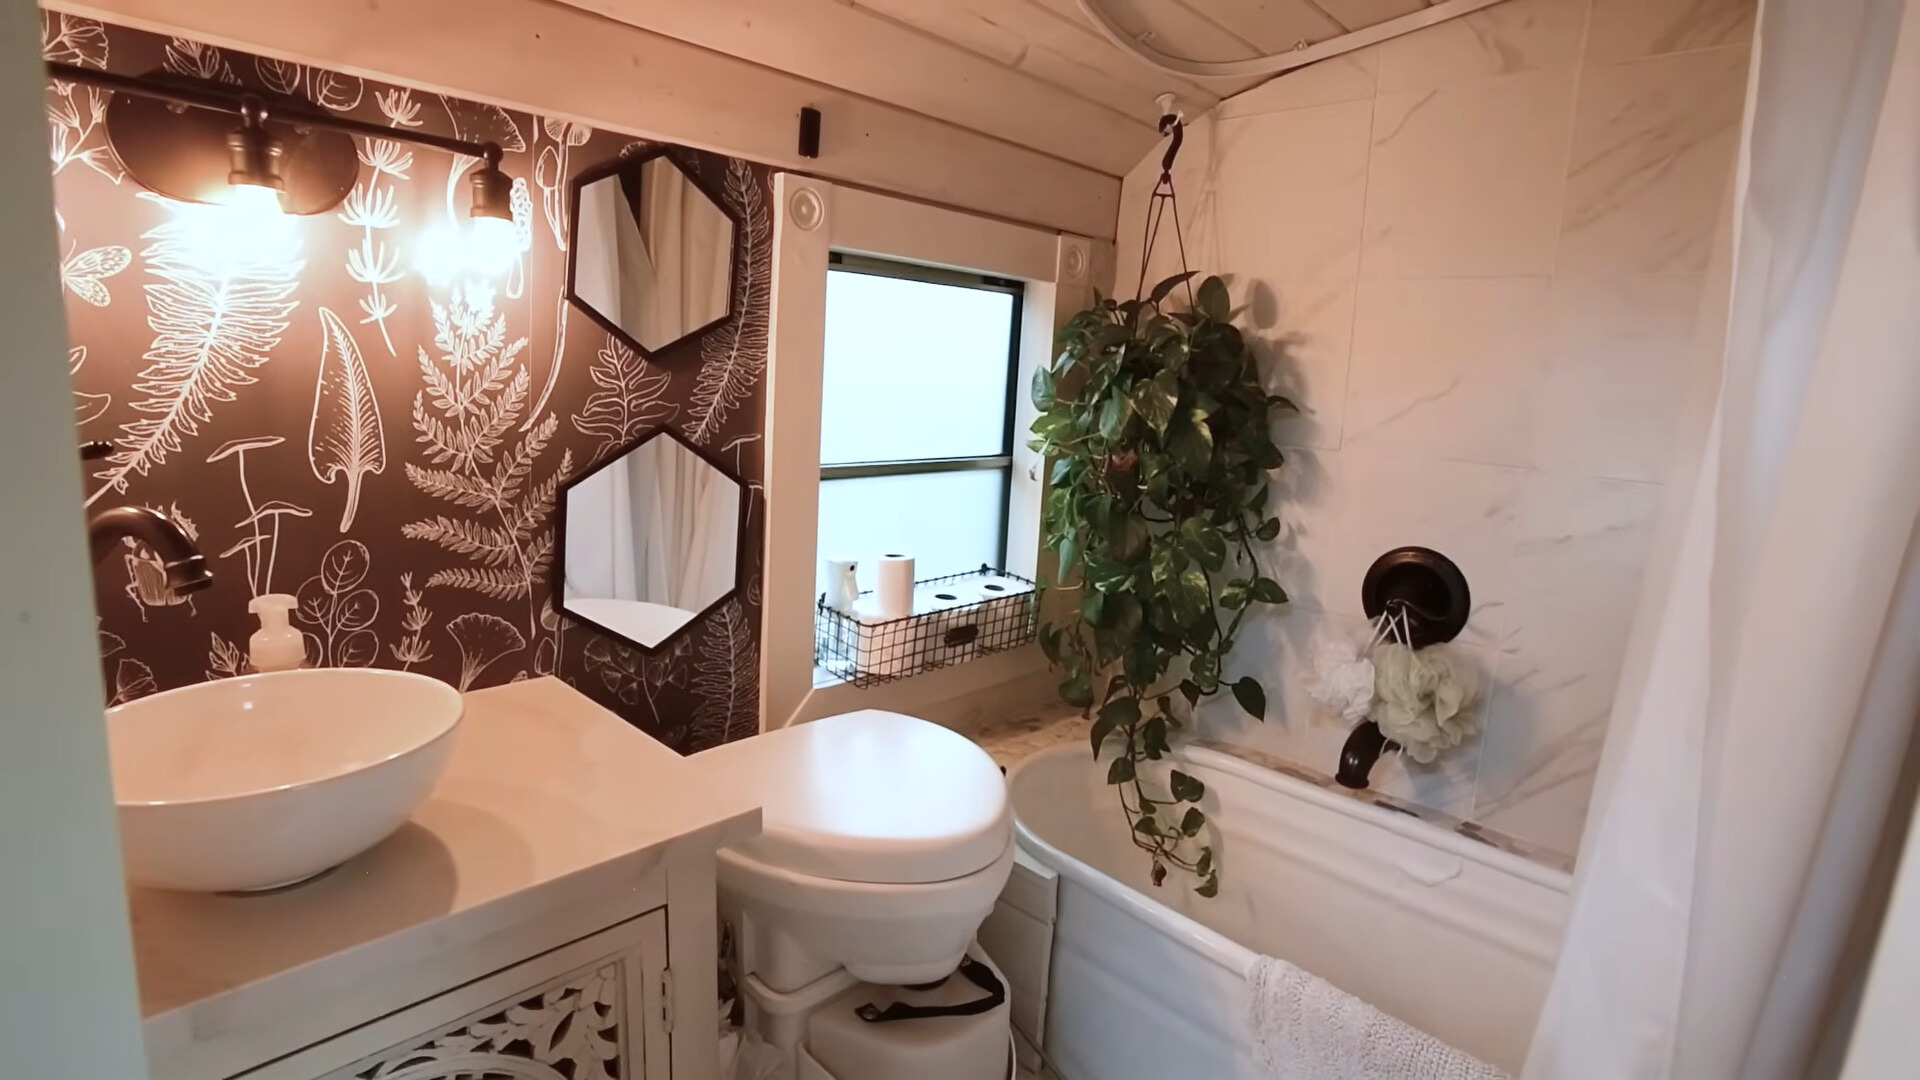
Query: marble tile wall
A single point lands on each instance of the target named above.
(1475, 254)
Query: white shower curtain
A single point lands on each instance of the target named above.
(1775, 673)
(659, 270)
(657, 525)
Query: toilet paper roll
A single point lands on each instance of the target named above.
(894, 586)
(999, 605)
(884, 645)
(928, 599)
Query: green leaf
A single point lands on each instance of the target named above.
(1153, 738)
(1191, 691)
(1264, 454)
(1113, 415)
(1078, 691)
(1161, 290)
(1209, 888)
(1190, 446)
(1120, 771)
(1233, 595)
(1114, 715)
(1211, 300)
(1194, 595)
(1153, 400)
(1093, 608)
(1142, 661)
(1069, 548)
(1192, 822)
(1186, 788)
(1251, 696)
(1204, 864)
(1043, 388)
(1268, 591)
(1147, 826)
(1130, 542)
(1268, 530)
(1204, 670)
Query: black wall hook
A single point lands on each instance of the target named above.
(1425, 586)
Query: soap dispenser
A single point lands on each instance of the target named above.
(276, 646)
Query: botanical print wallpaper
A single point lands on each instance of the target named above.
(335, 416)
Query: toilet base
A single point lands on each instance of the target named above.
(818, 1030)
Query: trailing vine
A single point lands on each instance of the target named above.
(1158, 429)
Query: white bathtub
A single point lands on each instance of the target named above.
(1444, 932)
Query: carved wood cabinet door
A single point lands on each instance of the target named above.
(600, 1021)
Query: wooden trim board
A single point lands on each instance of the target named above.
(559, 61)
(837, 44)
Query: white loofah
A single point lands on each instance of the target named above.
(1342, 679)
(1421, 698)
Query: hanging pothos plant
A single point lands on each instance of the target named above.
(1158, 428)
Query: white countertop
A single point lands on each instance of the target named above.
(549, 799)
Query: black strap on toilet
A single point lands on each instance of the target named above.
(976, 972)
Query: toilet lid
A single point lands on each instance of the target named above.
(870, 796)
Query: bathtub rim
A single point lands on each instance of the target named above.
(1216, 946)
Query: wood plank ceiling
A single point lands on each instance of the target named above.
(1031, 72)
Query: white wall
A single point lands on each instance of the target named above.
(1481, 249)
(70, 1009)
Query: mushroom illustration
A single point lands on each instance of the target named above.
(269, 514)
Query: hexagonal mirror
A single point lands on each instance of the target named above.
(651, 257)
(650, 540)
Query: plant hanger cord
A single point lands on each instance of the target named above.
(1159, 201)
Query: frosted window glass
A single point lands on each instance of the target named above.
(913, 370)
(949, 522)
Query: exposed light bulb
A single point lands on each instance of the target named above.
(492, 245)
(256, 201)
(246, 230)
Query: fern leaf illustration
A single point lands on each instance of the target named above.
(726, 679)
(456, 488)
(498, 584)
(491, 544)
(627, 400)
(732, 361)
(534, 505)
(345, 437)
(215, 317)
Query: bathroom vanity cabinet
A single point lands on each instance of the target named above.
(548, 913)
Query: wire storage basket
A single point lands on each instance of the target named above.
(955, 618)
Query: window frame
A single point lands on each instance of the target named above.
(1003, 463)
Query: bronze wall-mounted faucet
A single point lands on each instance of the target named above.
(185, 567)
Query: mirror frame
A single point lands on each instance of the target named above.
(558, 584)
(616, 167)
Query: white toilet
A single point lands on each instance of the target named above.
(885, 842)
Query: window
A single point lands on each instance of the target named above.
(916, 434)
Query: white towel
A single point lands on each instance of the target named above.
(1306, 1028)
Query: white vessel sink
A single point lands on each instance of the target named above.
(266, 780)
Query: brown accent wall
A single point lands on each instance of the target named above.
(335, 425)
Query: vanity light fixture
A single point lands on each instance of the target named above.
(286, 157)
(254, 153)
(493, 241)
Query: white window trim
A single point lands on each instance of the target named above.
(811, 219)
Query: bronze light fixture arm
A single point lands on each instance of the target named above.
(208, 96)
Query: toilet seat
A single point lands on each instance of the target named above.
(885, 842)
(870, 796)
